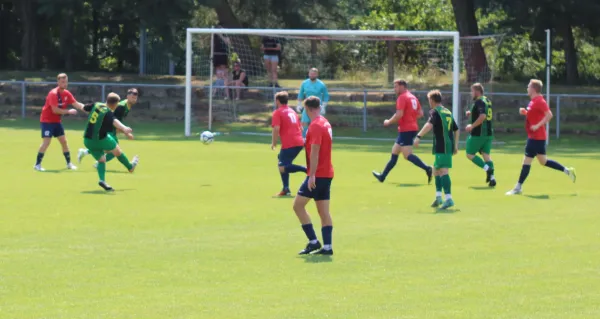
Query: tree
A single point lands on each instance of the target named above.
(27, 10)
(476, 63)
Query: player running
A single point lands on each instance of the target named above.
(537, 115)
(286, 126)
(445, 144)
(50, 120)
(312, 87)
(318, 182)
(120, 113)
(482, 132)
(98, 140)
(408, 110)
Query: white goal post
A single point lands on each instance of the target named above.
(346, 34)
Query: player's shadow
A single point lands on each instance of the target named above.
(103, 192)
(482, 188)
(317, 259)
(408, 185)
(542, 196)
(117, 172)
(446, 211)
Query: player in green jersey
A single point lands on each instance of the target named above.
(482, 132)
(120, 113)
(101, 121)
(445, 144)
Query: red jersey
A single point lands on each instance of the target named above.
(411, 107)
(536, 110)
(319, 133)
(290, 129)
(55, 98)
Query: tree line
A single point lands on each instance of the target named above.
(104, 35)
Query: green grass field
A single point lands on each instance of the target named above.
(195, 233)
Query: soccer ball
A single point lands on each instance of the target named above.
(207, 137)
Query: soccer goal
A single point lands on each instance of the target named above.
(358, 67)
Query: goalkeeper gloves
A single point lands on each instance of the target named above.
(323, 108)
(299, 107)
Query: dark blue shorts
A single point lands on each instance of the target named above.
(321, 192)
(535, 147)
(406, 138)
(288, 155)
(52, 129)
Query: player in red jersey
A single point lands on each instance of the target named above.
(318, 182)
(286, 126)
(50, 120)
(537, 114)
(408, 111)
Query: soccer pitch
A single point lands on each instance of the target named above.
(196, 233)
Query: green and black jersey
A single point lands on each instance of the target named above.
(121, 112)
(100, 121)
(444, 127)
(482, 105)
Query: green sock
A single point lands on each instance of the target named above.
(490, 164)
(101, 170)
(447, 184)
(125, 161)
(109, 156)
(478, 161)
(438, 183)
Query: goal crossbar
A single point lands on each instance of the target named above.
(350, 35)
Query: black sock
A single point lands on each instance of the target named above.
(555, 165)
(417, 161)
(285, 179)
(524, 173)
(291, 168)
(326, 232)
(67, 157)
(390, 165)
(309, 231)
(39, 158)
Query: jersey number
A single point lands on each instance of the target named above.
(293, 117)
(414, 104)
(489, 114)
(94, 118)
(330, 132)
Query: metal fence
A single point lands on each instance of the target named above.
(363, 109)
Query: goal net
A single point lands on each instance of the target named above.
(358, 67)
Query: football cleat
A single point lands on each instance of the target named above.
(105, 186)
(310, 248)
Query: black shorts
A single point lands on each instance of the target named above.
(535, 147)
(52, 130)
(322, 191)
(220, 59)
(288, 155)
(406, 138)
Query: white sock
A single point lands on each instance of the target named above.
(86, 152)
(314, 241)
(492, 177)
(566, 171)
(518, 186)
(448, 196)
(327, 247)
(486, 167)
(438, 194)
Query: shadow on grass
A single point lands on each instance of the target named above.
(482, 188)
(546, 196)
(408, 185)
(446, 211)
(103, 192)
(317, 259)
(543, 196)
